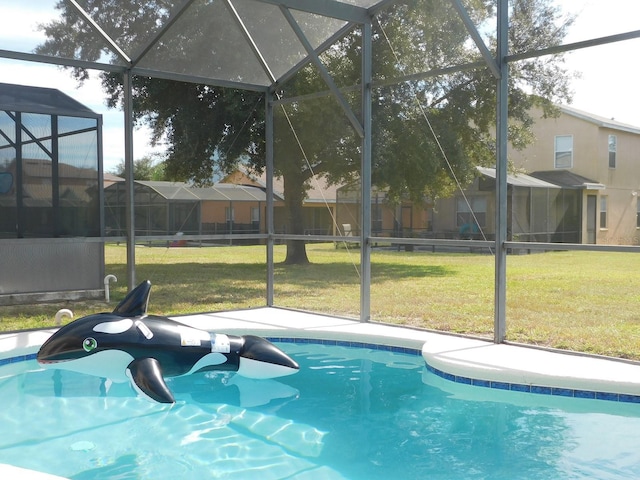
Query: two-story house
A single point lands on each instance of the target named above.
(577, 182)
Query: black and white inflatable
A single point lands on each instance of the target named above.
(129, 345)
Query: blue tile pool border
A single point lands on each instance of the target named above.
(347, 343)
(19, 358)
(537, 389)
(515, 387)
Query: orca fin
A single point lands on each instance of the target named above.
(136, 302)
(146, 379)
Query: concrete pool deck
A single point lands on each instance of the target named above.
(453, 357)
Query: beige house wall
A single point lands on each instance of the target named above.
(445, 222)
(212, 212)
(215, 211)
(619, 185)
(413, 218)
(444, 218)
(591, 160)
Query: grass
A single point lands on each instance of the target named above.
(583, 301)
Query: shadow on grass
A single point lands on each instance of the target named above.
(388, 271)
(176, 289)
(330, 275)
(203, 285)
(195, 286)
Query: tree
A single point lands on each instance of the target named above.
(145, 168)
(207, 129)
(428, 134)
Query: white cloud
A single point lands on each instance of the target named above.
(89, 94)
(21, 33)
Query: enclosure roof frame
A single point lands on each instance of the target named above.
(347, 14)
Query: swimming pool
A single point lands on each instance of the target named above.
(350, 413)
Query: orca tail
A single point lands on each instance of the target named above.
(259, 358)
(136, 302)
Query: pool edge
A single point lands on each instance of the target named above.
(458, 359)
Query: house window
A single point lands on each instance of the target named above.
(376, 216)
(255, 214)
(465, 216)
(564, 151)
(603, 211)
(229, 214)
(613, 143)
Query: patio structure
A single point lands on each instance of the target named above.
(51, 229)
(166, 208)
(262, 45)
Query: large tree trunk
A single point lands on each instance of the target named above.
(296, 253)
(294, 194)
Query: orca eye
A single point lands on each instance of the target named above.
(89, 344)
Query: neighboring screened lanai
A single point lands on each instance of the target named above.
(50, 196)
(366, 92)
(170, 208)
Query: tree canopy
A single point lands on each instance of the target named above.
(429, 131)
(145, 168)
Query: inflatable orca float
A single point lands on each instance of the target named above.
(129, 345)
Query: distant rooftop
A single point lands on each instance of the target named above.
(217, 192)
(22, 98)
(598, 120)
(519, 179)
(567, 179)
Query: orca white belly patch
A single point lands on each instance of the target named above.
(209, 360)
(109, 364)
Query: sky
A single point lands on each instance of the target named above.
(608, 85)
(609, 74)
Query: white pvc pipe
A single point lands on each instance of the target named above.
(65, 312)
(106, 285)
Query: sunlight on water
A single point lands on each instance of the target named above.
(350, 413)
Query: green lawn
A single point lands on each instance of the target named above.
(582, 301)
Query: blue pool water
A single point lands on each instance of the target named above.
(350, 413)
